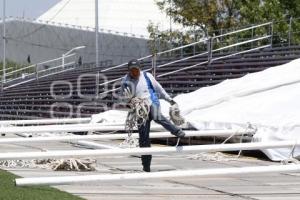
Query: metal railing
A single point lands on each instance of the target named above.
(291, 36)
(124, 64)
(39, 70)
(213, 45)
(214, 40)
(157, 54)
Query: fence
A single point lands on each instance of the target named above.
(208, 48)
(39, 70)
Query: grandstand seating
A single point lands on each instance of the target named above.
(35, 100)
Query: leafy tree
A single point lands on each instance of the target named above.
(206, 14)
(211, 16)
(11, 65)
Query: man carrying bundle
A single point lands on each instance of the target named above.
(139, 86)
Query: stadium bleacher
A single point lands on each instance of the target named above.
(36, 100)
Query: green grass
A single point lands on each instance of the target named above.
(8, 191)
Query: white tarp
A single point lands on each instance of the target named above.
(269, 100)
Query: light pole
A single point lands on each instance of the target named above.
(67, 53)
(97, 31)
(4, 43)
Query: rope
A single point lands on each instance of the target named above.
(136, 117)
(16, 164)
(70, 164)
(214, 157)
(291, 159)
(218, 156)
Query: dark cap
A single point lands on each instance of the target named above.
(134, 63)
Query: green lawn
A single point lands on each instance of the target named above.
(8, 191)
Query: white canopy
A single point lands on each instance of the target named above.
(130, 16)
(269, 100)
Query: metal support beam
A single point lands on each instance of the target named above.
(63, 180)
(60, 128)
(209, 133)
(46, 121)
(93, 145)
(290, 30)
(145, 151)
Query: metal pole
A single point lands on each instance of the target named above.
(47, 121)
(194, 50)
(59, 128)
(195, 40)
(209, 50)
(97, 85)
(171, 39)
(252, 35)
(93, 145)
(24, 135)
(63, 61)
(208, 133)
(4, 43)
(36, 72)
(156, 175)
(97, 32)
(67, 54)
(271, 33)
(290, 29)
(181, 50)
(150, 150)
(154, 65)
(159, 47)
(67, 128)
(221, 39)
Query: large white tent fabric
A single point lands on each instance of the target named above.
(269, 100)
(129, 16)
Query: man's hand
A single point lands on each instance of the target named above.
(172, 102)
(174, 113)
(127, 93)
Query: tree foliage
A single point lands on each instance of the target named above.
(11, 65)
(211, 16)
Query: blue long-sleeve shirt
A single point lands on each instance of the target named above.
(145, 87)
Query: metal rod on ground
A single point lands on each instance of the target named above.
(122, 136)
(66, 128)
(25, 135)
(155, 175)
(59, 128)
(46, 121)
(93, 145)
(145, 151)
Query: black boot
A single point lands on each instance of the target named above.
(146, 162)
(146, 168)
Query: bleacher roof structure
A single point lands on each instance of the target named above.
(130, 16)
